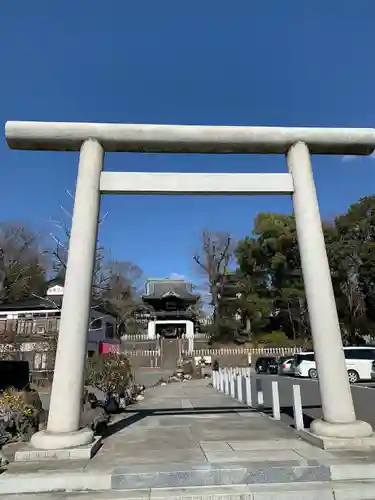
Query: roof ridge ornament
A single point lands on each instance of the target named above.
(170, 292)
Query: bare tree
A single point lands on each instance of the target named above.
(23, 263)
(122, 288)
(60, 250)
(214, 259)
(115, 283)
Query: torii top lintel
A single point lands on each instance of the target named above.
(60, 136)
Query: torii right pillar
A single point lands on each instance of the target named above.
(339, 419)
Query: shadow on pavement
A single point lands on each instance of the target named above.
(289, 412)
(133, 415)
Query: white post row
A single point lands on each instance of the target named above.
(238, 386)
(239, 381)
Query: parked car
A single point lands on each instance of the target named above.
(359, 363)
(304, 365)
(266, 365)
(286, 366)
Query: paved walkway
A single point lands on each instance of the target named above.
(188, 435)
(190, 423)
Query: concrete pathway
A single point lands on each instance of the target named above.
(187, 436)
(190, 423)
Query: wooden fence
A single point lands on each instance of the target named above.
(236, 351)
(145, 337)
(35, 326)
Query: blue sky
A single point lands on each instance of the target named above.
(293, 62)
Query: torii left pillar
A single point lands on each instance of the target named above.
(63, 428)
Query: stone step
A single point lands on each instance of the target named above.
(291, 491)
(190, 475)
(174, 479)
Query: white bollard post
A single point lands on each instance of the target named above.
(275, 400)
(214, 379)
(260, 398)
(221, 380)
(232, 385)
(239, 388)
(297, 407)
(226, 381)
(248, 391)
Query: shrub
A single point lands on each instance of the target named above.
(274, 339)
(18, 419)
(108, 372)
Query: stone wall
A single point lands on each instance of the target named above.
(231, 359)
(162, 354)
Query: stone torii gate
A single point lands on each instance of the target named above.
(93, 140)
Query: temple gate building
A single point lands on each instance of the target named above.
(173, 312)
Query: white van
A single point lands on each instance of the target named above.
(358, 363)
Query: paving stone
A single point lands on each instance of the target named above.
(138, 494)
(215, 446)
(234, 434)
(29, 454)
(186, 403)
(143, 455)
(250, 414)
(288, 474)
(354, 491)
(312, 453)
(352, 471)
(297, 491)
(178, 438)
(242, 492)
(218, 456)
(274, 444)
(180, 476)
(31, 483)
(45, 466)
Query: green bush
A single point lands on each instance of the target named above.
(109, 372)
(274, 339)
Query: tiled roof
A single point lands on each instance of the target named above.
(33, 303)
(52, 302)
(170, 288)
